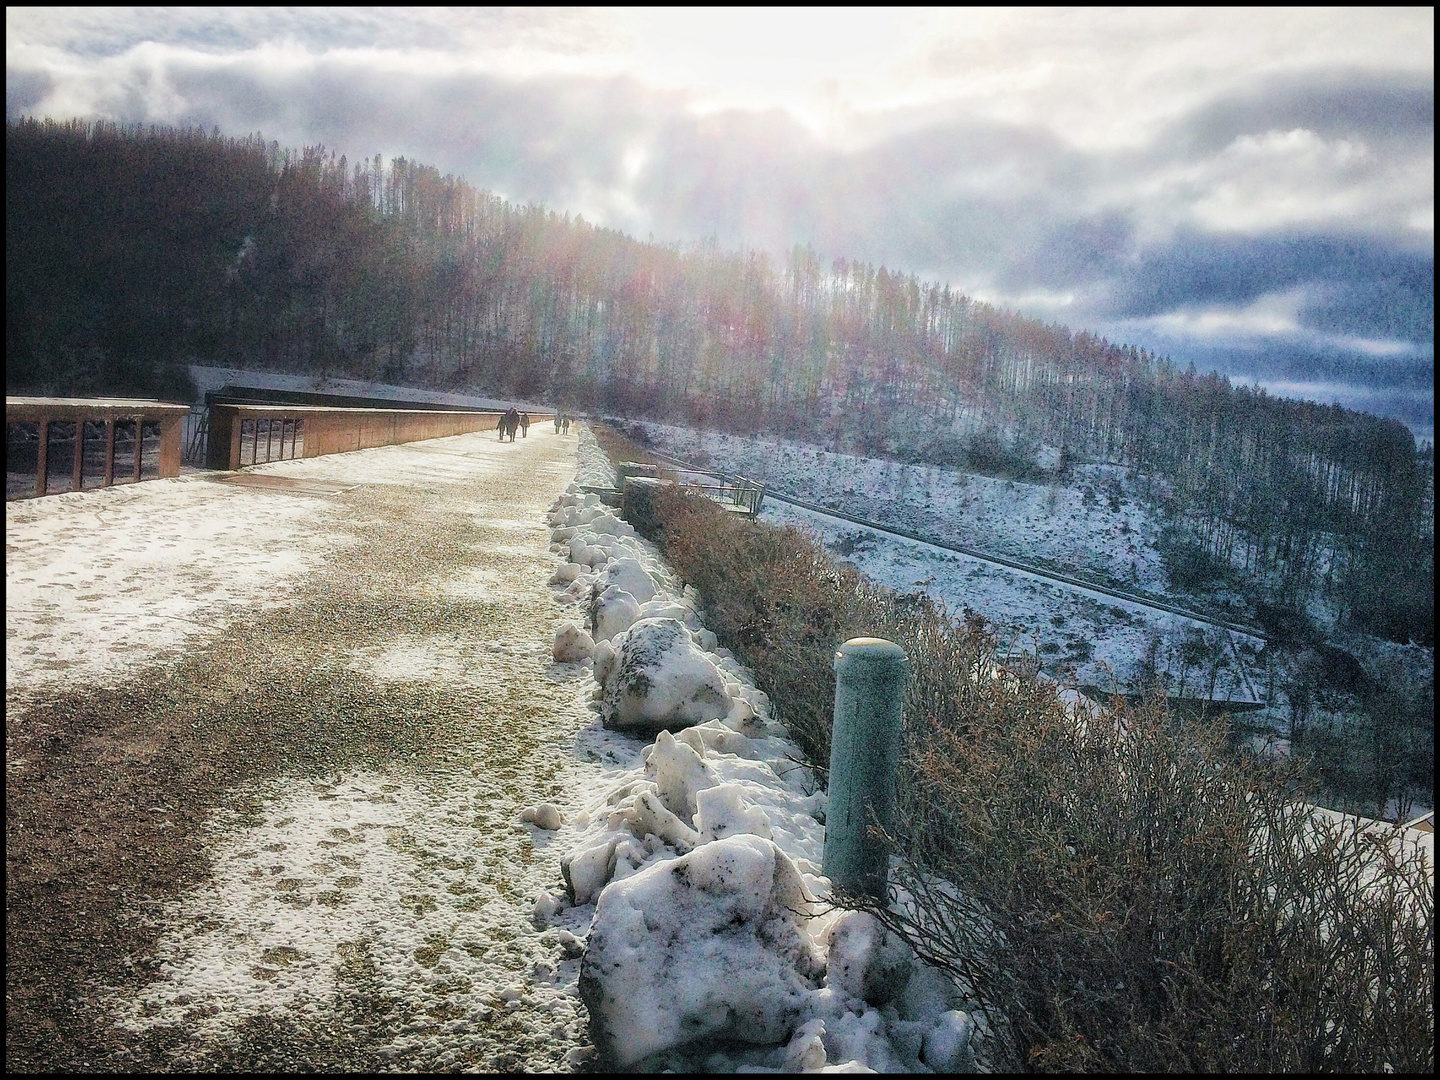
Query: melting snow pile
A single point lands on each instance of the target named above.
(696, 870)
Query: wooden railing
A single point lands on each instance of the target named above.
(112, 419)
(241, 435)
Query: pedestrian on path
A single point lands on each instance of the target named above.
(557, 421)
(524, 425)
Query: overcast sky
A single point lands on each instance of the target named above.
(1253, 191)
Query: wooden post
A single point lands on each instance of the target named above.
(222, 446)
(41, 461)
(109, 451)
(77, 471)
(864, 760)
(170, 425)
(139, 445)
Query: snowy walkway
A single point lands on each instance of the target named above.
(264, 753)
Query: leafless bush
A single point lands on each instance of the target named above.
(1120, 892)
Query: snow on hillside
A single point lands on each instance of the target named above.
(1087, 637)
(1088, 524)
(1081, 636)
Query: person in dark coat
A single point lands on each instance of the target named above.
(512, 421)
(524, 425)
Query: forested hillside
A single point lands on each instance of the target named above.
(132, 252)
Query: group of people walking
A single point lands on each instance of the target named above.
(513, 420)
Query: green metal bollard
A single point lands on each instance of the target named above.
(870, 678)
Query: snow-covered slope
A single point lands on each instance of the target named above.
(1090, 523)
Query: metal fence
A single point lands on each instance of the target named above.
(194, 432)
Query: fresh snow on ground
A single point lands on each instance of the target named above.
(1094, 639)
(87, 601)
(411, 887)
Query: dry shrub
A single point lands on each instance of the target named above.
(1120, 892)
(772, 598)
(1116, 892)
(619, 447)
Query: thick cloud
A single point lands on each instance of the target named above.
(545, 140)
(1352, 285)
(1272, 220)
(1344, 103)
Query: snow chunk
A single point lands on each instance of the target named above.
(722, 811)
(616, 610)
(572, 946)
(661, 680)
(545, 816)
(586, 554)
(586, 872)
(651, 817)
(947, 1043)
(604, 661)
(865, 960)
(565, 573)
(572, 644)
(544, 909)
(629, 575)
(680, 774)
(706, 945)
(806, 1052)
(609, 523)
(927, 995)
(714, 737)
(860, 1041)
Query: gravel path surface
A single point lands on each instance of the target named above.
(264, 755)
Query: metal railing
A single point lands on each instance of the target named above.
(86, 438)
(737, 493)
(743, 496)
(194, 430)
